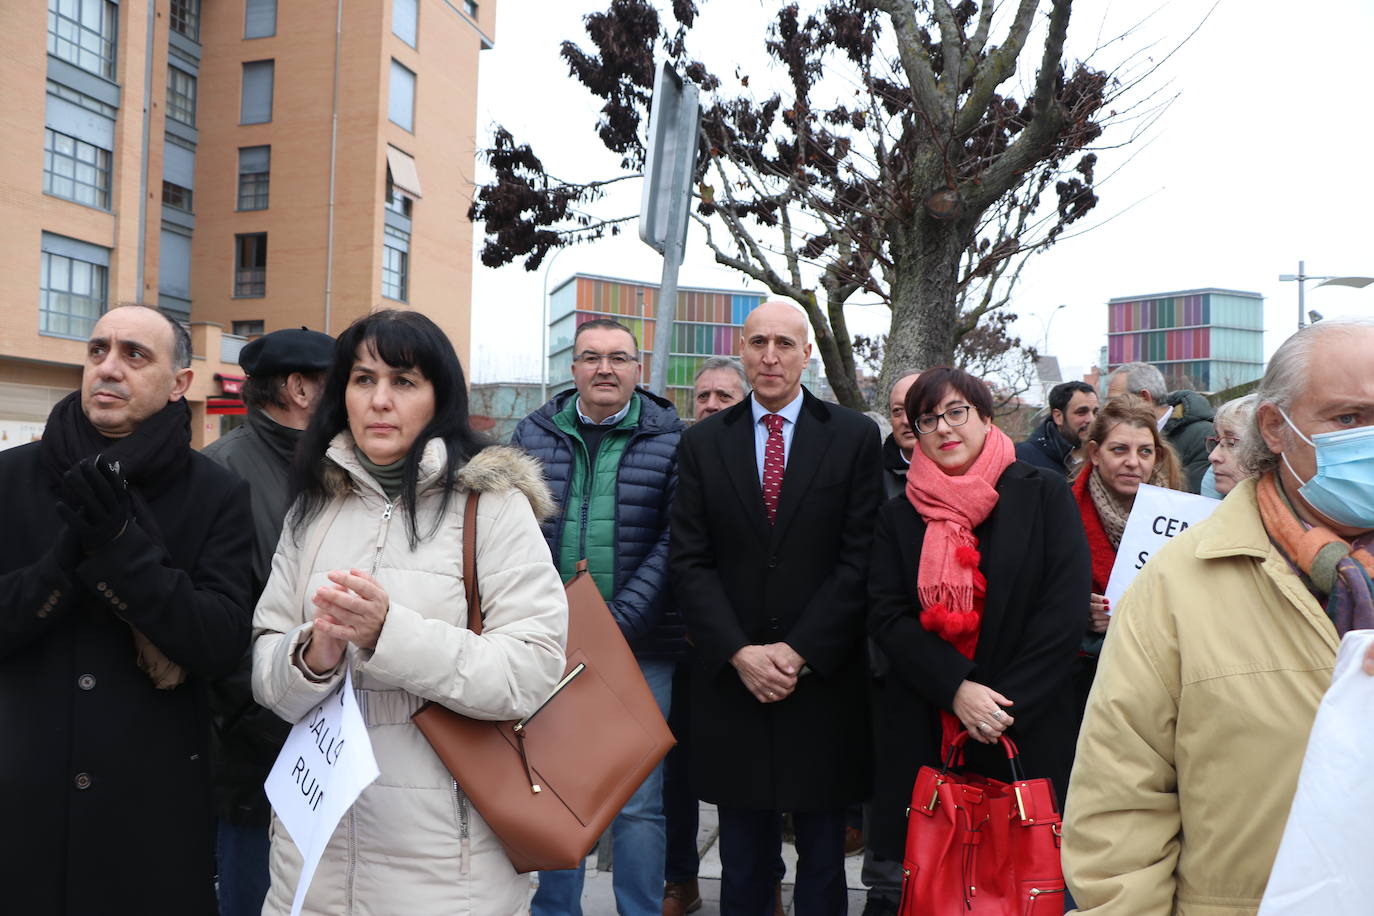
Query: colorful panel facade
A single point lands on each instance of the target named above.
(1208, 339)
(708, 323)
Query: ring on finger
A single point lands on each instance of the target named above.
(982, 726)
(998, 714)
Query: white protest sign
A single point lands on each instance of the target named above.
(323, 767)
(1323, 862)
(1157, 515)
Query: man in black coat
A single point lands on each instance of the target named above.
(285, 377)
(1051, 445)
(770, 538)
(123, 588)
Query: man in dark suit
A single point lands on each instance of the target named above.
(768, 565)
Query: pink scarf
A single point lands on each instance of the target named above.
(952, 507)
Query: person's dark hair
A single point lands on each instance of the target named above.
(1062, 394)
(605, 324)
(404, 340)
(259, 391)
(926, 392)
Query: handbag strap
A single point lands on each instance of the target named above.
(470, 563)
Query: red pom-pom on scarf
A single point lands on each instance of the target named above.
(935, 617)
(967, 556)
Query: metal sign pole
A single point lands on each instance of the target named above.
(673, 129)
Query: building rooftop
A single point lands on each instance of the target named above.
(655, 284)
(1187, 292)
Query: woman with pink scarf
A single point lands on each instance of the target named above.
(976, 591)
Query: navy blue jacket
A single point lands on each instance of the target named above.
(645, 486)
(1046, 448)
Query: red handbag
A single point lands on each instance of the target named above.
(979, 847)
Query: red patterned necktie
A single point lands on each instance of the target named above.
(772, 466)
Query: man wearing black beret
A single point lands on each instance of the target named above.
(285, 372)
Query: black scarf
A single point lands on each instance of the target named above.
(150, 457)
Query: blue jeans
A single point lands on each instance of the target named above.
(242, 856)
(638, 839)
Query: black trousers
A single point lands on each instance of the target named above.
(750, 843)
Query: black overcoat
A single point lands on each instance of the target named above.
(1035, 558)
(104, 788)
(741, 582)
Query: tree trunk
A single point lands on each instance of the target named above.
(839, 371)
(925, 279)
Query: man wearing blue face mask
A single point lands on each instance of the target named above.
(1224, 645)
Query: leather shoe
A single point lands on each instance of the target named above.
(681, 897)
(880, 906)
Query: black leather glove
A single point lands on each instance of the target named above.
(95, 502)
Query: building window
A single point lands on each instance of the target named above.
(250, 264)
(247, 328)
(72, 297)
(174, 195)
(181, 96)
(405, 21)
(76, 170)
(471, 7)
(255, 164)
(395, 263)
(397, 202)
(255, 103)
(260, 18)
(82, 32)
(185, 18)
(401, 105)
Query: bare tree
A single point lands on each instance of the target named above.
(892, 162)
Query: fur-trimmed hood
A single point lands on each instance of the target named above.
(501, 467)
(494, 468)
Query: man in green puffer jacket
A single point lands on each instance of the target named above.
(609, 451)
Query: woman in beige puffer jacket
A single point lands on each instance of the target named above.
(413, 843)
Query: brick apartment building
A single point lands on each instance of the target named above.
(246, 165)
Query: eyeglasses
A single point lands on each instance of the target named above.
(1227, 443)
(955, 416)
(618, 360)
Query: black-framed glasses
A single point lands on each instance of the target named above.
(954, 416)
(618, 360)
(1227, 443)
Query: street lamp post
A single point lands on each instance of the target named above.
(1302, 277)
(1049, 323)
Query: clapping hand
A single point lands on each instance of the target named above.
(95, 502)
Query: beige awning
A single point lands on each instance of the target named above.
(404, 175)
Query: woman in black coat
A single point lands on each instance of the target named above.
(976, 600)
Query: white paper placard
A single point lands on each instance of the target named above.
(1157, 515)
(1323, 861)
(323, 767)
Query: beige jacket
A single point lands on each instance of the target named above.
(412, 843)
(1195, 731)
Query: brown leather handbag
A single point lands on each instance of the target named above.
(549, 784)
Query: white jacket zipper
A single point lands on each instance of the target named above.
(381, 537)
(460, 807)
(352, 838)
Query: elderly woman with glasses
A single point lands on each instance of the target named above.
(976, 587)
(1224, 452)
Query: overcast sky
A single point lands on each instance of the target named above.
(1261, 161)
